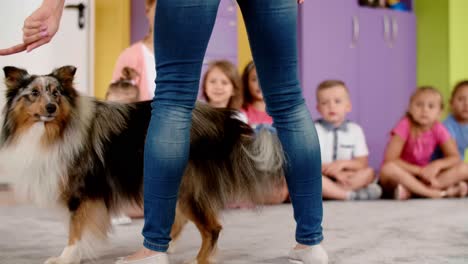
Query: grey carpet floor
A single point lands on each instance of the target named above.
(417, 231)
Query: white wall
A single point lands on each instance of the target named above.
(12, 14)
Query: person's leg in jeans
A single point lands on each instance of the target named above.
(182, 31)
(271, 27)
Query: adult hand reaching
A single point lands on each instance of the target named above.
(40, 27)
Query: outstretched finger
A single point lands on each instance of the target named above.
(300, 1)
(12, 50)
(36, 37)
(38, 44)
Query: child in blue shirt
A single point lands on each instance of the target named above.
(457, 125)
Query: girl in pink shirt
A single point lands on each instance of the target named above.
(407, 169)
(221, 85)
(254, 106)
(140, 56)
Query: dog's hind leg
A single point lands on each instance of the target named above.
(206, 220)
(179, 223)
(89, 223)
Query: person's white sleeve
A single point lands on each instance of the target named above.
(320, 135)
(361, 145)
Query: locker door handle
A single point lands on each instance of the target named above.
(356, 32)
(81, 16)
(386, 26)
(394, 29)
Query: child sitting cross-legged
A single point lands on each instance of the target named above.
(457, 125)
(221, 87)
(408, 170)
(346, 174)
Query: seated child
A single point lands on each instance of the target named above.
(457, 125)
(346, 174)
(124, 90)
(140, 56)
(407, 169)
(254, 108)
(254, 105)
(221, 87)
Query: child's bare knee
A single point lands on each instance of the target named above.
(388, 168)
(462, 169)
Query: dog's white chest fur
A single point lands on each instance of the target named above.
(36, 170)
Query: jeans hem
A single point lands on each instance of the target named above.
(310, 242)
(155, 246)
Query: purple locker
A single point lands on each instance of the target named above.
(223, 39)
(387, 70)
(227, 8)
(372, 50)
(138, 23)
(328, 34)
(403, 63)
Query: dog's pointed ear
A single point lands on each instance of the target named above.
(65, 75)
(14, 76)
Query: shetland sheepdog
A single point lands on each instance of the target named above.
(86, 156)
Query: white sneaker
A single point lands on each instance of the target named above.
(311, 255)
(160, 258)
(121, 220)
(372, 191)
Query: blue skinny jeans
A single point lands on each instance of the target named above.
(182, 30)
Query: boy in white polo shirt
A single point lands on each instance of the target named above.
(346, 174)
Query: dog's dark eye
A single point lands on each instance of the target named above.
(35, 92)
(55, 94)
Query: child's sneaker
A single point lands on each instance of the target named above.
(311, 255)
(373, 191)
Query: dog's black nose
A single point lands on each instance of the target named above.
(51, 108)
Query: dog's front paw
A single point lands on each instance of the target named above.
(60, 260)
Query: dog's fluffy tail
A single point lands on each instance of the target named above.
(229, 162)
